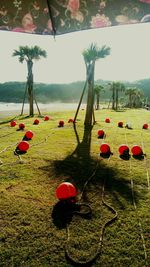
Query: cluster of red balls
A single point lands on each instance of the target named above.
(23, 146)
(61, 123)
(123, 149)
(67, 191)
(120, 124)
(22, 125)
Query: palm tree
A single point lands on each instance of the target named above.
(119, 87)
(97, 90)
(113, 89)
(130, 92)
(138, 98)
(29, 54)
(91, 55)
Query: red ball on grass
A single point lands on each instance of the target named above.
(123, 149)
(23, 146)
(137, 151)
(46, 118)
(105, 149)
(100, 134)
(29, 134)
(107, 120)
(145, 126)
(21, 126)
(36, 122)
(70, 120)
(66, 191)
(13, 123)
(120, 124)
(61, 123)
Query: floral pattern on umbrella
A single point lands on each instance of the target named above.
(63, 16)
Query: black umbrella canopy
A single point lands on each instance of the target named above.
(55, 17)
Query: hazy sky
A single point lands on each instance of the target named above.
(129, 58)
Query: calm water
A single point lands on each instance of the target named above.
(7, 109)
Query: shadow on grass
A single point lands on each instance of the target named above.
(63, 212)
(79, 166)
(19, 117)
(120, 110)
(89, 174)
(8, 120)
(138, 157)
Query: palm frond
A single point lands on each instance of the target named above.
(29, 53)
(94, 53)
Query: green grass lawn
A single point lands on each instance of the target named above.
(33, 222)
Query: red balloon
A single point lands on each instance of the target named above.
(46, 118)
(61, 123)
(105, 148)
(65, 191)
(123, 149)
(145, 126)
(100, 133)
(23, 146)
(13, 123)
(29, 134)
(120, 124)
(36, 121)
(107, 120)
(136, 150)
(21, 126)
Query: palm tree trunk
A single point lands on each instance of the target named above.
(130, 100)
(37, 107)
(97, 101)
(94, 121)
(109, 102)
(90, 96)
(23, 100)
(113, 98)
(30, 94)
(80, 100)
(116, 99)
(30, 87)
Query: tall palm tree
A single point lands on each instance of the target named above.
(29, 54)
(97, 90)
(91, 55)
(119, 87)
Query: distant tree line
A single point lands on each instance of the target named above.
(47, 93)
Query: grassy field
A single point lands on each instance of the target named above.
(33, 223)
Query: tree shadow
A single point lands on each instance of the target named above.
(81, 168)
(19, 117)
(120, 110)
(8, 120)
(88, 174)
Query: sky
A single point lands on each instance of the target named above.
(129, 58)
